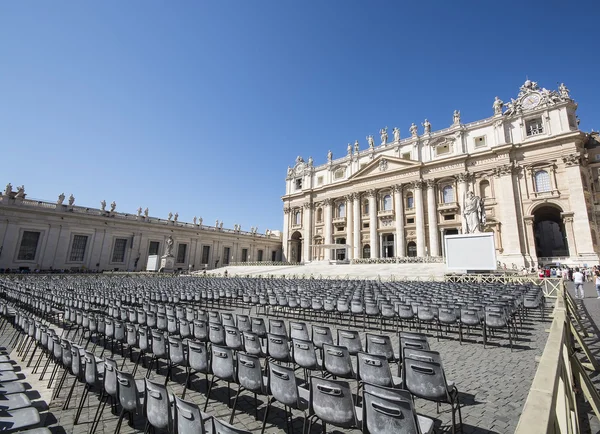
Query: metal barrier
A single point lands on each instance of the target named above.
(551, 405)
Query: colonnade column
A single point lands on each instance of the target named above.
(462, 191)
(530, 238)
(357, 224)
(420, 217)
(568, 224)
(442, 242)
(307, 226)
(434, 245)
(399, 211)
(327, 221)
(286, 233)
(373, 241)
(349, 226)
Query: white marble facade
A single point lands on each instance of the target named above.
(528, 162)
(39, 235)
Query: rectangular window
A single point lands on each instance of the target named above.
(119, 250)
(273, 256)
(181, 252)
(226, 252)
(341, 229)
(78, 248)
(410, 221)
(153, 249)
(534, 127)
(442, 149)
(449, 217)
(365, 225)
(205, 254)
(406, 156)
(299, 184)
(28, 248)
(338, 174)
(479, 142)
(260, 256)
(320, 180)
(244, 255)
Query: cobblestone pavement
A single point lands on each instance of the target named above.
(493, 384)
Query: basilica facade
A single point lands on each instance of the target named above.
(528, 165)
(61, 235)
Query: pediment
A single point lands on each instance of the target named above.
(384, 164)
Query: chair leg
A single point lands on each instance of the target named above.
(68, 400)
(86, 390)
(265, 416)
(240, 388)
(212, 381)
(99, 411)
(118, 427)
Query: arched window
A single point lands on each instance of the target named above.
(341, 210)
(542, 181)
(484, 189)
(297, 218)
(448, 194)
(366, 207)
(387, 202)
(319, 214)
(410, 201)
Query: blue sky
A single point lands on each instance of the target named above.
(198, 107)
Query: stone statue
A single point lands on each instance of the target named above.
(8, 189)
(103, 205)
(217, 224)
(498, 104)
(356, 147)
(564, 92)
(169, 246)
(456, 117)
(396, 134)
(20, 192)
(200, 221)
(71, 199)
(146, 212)
(221, 225)
(426, 127)
(195, 219)
(176, 217)
(139, 211)
(113, 206)
(371, 142)
(61, 199)
(329, 156)
(414, 130)
(473, 213)
(170, 216)
(299, 159)
(290, 171)
(349, 149)
(310, 161)
(384, 135)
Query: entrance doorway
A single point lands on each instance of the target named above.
(366, 251)
(411, 249)
(549, 232)
(296, 247)
(340, 254)
(388, 246)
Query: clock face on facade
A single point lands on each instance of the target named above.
(299, 168)
(531, 101)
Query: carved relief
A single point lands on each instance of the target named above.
(463, 177)
(571, 160)
(418, 184)
(505, 169)
(327, 202)
(370, 193)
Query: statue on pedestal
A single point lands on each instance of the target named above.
(61, 199)
(564, 92)
(20, 192)
(176, 217)
(498, 104)
(384, 135)
(146, 212)
(8, 189)
(426, 127)
(396, 134)
(473, 214)
(414, 130)
(329, 156)
(170, 216)
(71, 199)
(195, 220)
(169, 246)
(371, 142)
(103, 205)
(356, 147)
(200, 221)
(310, 161)
(456, 117)
(217, 224)
(221, 226)
(349, 149)
(113, 206)
(139, 212)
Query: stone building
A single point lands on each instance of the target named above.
(528, 163)
(40, 235)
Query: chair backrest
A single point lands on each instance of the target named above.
(110, 377)
(222, 363)
(410, 343)
(227, 319)
(299, 330)
(277, 347)
(282, 385)
(332, 402)
(304, 354)
(249, 373)
(200, 330)
(336, 360)
(259, 327)
(159, 346)
(277, 327)
(381, 345)
(188, 418)
(374, 369)
(349, 339)
(252, 344)
(176, 354)
(144, 343)
(386, 416)
(220, 427)
(91, 369)
(127, 391)
(158, 408)
(131, 334)
(425, 379)
(321, 335)
(243, 323)
(198, 356)
(216, 333)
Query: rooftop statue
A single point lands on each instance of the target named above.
(8, 189)
(103, 205)
(61, 199)
(200, 221)
(71, 199)
(426, 127)
(396, 134)
(384, 135)
(146, 212)
(139, 211)
(329, 156)
(414, 130)
(356, 147)
(113, 206)
(176, 217)
(221, 225)
(195, 219)
(456, 117)
(20, 192)
(310, 161)
(349, 149)
(498, 104)
(170, 216)
(563, 91)
(371, 142)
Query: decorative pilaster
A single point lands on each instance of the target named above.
(307, 226)
(357, 224)
(286, 232)
(399, 215)
(567, 218)
(420, 217)
(327, 222)
(373, 241)
(530, 238)
(462, 179)
(434, 245)
(349, 225)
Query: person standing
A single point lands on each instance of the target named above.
(578, 280)
(598, 283)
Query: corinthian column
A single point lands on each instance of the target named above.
(349, 225)
(420, 217)
(373, 241)
(434, 245)
(327, 222)
(462, 179)
(399, 211)
(307, 222)
(286, 232)
(357, 224)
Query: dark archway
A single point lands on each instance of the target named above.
(366, 251)
(411, 249)
(549, 232)
(296, 247)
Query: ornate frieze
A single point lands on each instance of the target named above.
(571, 160)
(505, 169)
(417, 184)
(327, 202)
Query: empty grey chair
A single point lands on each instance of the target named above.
(188, 418)
(299, 330)
(374, 369)
(381, 345)
(385, 416)
(176, 356)
(305, 356)
(243, 323)
(144, 344)
(19, 419)
(227, 319)
(185, 329)
(351, 340)
(223, 368)
(14, 401)
(259, 327)
(93, 375)
(200, 330)
(109, 391)
(233, 338)
(331, 401)
(216, 333)
(157, 406)
(337, 361)
(220, 427)
(252, 344)
(413, 344)
(250, 378)
(277, 327)
(159, 351)
(129, 396)
(278, 348)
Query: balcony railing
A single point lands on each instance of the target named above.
(339, 220)
(385, 212)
